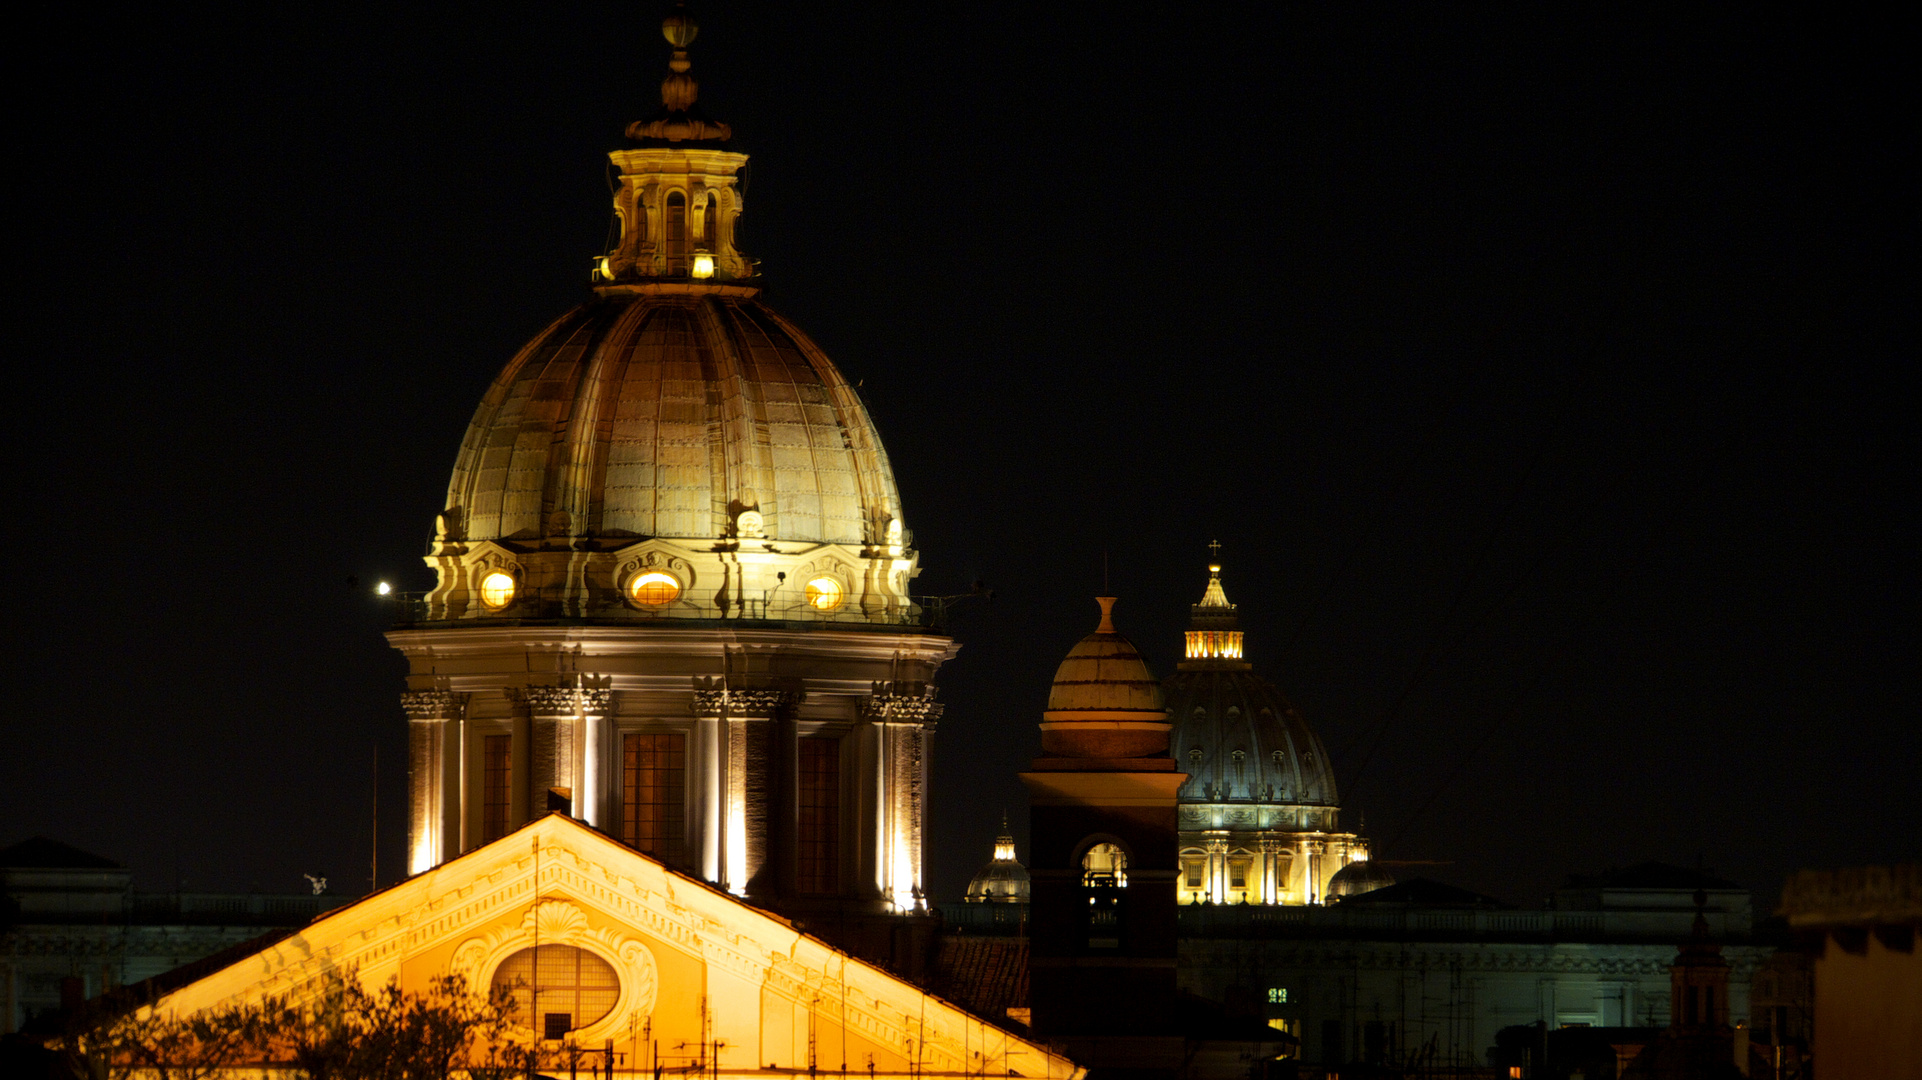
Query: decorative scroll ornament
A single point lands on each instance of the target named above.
(555, 921)
(425, 705)
(903, 702)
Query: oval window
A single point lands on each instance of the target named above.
(558, 988)
(653, 588)
(497, 589)
(825, 593)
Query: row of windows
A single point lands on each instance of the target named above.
(655, 588)
(654, 802)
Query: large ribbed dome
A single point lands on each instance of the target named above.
(670, 415)
(1235, 735)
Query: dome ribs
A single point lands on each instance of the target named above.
(666, 416)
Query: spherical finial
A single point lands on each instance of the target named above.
(679, 28)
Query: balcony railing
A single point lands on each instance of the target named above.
(1368, 920)
(597, 605)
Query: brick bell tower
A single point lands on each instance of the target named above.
(1102, 975)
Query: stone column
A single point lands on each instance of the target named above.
(742, 722)
(902, 715)
(1270, 869)
(1311, 869)
(434, 793)
(1217, 846)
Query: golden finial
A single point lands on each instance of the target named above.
(677, 121)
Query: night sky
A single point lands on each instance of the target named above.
(1546, 379)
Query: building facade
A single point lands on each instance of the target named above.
(673, 578)
(74, 927)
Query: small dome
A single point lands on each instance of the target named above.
(1357, 878)
(1105, 673)
(1104, 703)
(1004, 880)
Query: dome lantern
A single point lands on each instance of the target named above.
(678, 200)
(1214, 634)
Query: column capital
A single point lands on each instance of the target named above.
(561, 700)
(425, 706)
(902, 702)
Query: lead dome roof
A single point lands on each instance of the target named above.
(1235, 735)
(669, 415)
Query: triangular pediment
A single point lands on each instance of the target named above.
(690, 964)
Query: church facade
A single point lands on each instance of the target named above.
(673, 579)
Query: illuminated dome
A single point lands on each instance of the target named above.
(1357, 878)
(1104, 701)
(1235, 736)
(672, 414)
(1004, 880)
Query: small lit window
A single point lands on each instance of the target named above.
(1105, 864)
(497, 589)
(653, 588)
(825, 594)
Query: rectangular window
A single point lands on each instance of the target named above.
(1238, 873)
(654, 795)
(818, 852)
(497, 752)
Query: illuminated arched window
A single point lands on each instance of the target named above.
(1105, 864)
(559, 990)
(676, 229)
(710, 223)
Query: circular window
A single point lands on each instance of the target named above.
(497, 589)
(825, 594)
(558, 988)
(653, 588)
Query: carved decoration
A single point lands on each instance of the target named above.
(563, 700)
(555, 921)
(429, 705)
(903, 702)
(712, 697)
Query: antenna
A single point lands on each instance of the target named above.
(373, 860)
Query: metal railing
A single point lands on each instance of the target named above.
(1366, 920)
(607, 605)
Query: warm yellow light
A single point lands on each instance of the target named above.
(824, 593)
(703, 266)
(497, 589)
(1214, 644)
(653, 588)
(383, 588)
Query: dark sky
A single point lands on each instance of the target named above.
(1546, 378)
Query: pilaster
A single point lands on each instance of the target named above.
(433, 778)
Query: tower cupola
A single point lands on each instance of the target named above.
(678, 199)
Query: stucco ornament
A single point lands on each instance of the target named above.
(558, 921)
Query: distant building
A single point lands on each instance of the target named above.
(73, 927)
(1867, 974)
(1422, 973)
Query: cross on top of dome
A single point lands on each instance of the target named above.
(1214, 634)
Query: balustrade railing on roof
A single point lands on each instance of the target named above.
(597, 605)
